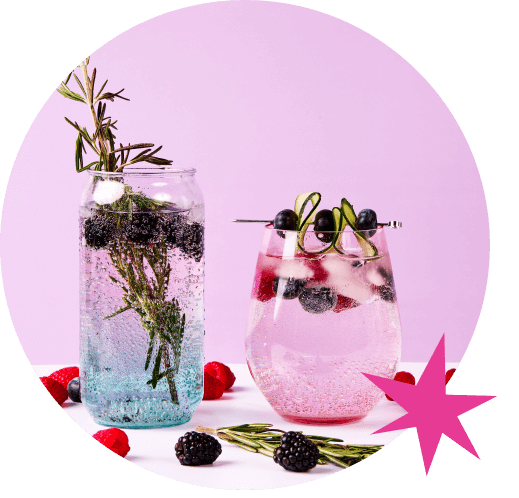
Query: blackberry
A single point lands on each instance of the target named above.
(387, 291)
(192, 243)
(296, 452)
(99, 231)
(172, 225)
(318, 299)
(73, 390)
(195, 448)
(141, 228)
(292, 287)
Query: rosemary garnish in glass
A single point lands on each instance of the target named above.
(143, 269)
(262, 438)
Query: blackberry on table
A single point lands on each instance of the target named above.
(296, 452)
(195, 448)
(99, 231)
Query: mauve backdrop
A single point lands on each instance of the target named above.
(267, 101)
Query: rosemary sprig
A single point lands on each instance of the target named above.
(262, 438)
(102, 141)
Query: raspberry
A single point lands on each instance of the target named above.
(404, 377)
(263, 287)
(314, 262)
(65, 375)
(57, 391)
(213, 388)
(449, 374)
(114, 439)
(344, 303)
(221, 372)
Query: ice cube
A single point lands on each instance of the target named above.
(294, 268)
(107, 192)
(374, 276)
(196, 214)
(345, 279)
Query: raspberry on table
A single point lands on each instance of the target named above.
(213, 388)
(114, 439)
(56, 390)
(406, 378)
(65, 375)
(449, 374)
(222, 372)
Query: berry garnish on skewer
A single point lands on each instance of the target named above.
(323, 223)
(285, 220)
(367, 220)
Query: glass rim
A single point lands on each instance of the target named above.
(347, 229)
(144, 171)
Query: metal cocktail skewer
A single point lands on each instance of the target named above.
(390, 224)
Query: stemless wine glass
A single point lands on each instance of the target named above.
(321, 314)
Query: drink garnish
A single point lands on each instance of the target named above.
(262, 438)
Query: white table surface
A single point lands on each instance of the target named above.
(153, 449)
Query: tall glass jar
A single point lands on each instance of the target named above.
(141, 296)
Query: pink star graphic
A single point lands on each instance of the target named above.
(429, 408)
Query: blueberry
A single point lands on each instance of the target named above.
(73, 390)
(99, 231)
(324, 222)
(292, 287)
(285, 220)
(318, 299)
(367, 220)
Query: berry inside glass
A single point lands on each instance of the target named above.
(321, 315)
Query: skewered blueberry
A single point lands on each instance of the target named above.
(285, 220)
(317, 299)
(367, 220)
(291, 287)
(324, 222)
(99, 231)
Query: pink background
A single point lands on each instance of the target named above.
(267, 101)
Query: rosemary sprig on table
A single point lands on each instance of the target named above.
(102, 141)
(262, 438)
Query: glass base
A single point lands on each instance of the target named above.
(347, 419)
(132, 425)
(143, 413)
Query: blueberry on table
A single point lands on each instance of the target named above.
(289, 287)
(317, 300)
(324, 222)
(285, 220)
(367, 220)
(73, 390)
